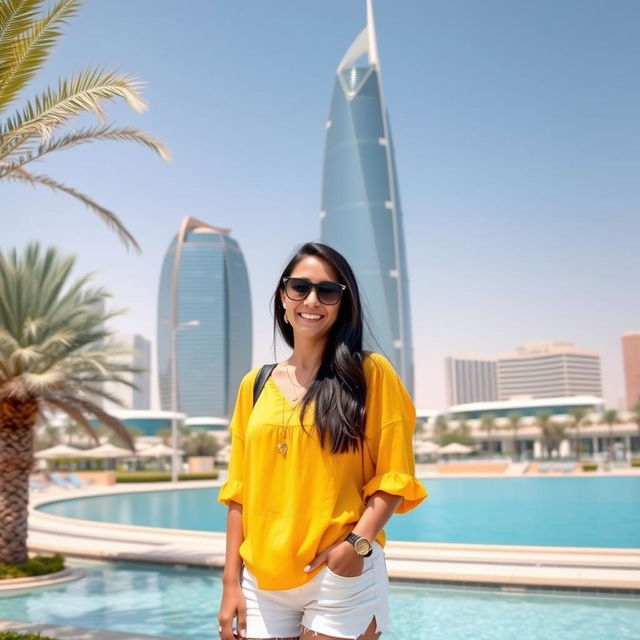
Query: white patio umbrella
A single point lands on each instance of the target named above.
(59, 451)
(455, 448)
(107, 451)
(157, 451)
(425, 447)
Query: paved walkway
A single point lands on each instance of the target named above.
(511, 566)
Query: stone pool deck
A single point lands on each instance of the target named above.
(511, 567)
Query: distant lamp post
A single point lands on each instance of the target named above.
(174, 393)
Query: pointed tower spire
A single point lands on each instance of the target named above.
(371, 29)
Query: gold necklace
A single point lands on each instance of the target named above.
(282, 445)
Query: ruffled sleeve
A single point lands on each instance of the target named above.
(390, 422)
(233, 489)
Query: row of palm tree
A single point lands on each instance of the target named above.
(552, 431)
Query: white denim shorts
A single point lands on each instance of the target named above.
(330, 604)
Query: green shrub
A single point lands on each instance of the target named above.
(36, 566)
(16, 635)
(589, 466)
(635, 462)
(159, 476)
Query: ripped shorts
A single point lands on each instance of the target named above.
(329, 604)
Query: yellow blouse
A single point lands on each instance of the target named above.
(297, 503)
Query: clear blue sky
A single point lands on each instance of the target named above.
(517, 135)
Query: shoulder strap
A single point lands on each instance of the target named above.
(261, 379)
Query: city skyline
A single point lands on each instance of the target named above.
(361, 214)
(519, 189)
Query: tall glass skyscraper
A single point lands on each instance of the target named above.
(361, 215)
(204, 321)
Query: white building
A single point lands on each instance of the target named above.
(547, 370)
(140, 358)
(470, 378)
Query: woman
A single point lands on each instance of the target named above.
(318, 465)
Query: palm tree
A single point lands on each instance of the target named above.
(610, 417)
(71, 430)
(515, 422)
(29, 30)
(636, 416)
(543, 421)
(488, 424)
(578, 414)
(440, 427)
(55, 354)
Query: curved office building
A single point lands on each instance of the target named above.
(204, 321)
(361, 215)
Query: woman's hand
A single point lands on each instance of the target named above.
(233, 605)
(341, 558)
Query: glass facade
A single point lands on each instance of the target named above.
(204, 306)
(361, 212)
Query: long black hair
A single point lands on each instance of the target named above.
(339, 388)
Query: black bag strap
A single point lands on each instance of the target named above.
(261, 380)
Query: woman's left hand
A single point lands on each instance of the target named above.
(341, 558)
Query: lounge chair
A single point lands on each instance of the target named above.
(568, 467)
(544, 467)
(36, 485)
(60, 481)
(74, 481)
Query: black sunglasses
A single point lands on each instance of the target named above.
(327, 292)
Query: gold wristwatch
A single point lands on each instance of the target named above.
(360, 544)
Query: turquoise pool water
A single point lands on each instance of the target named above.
(556, 511)
(183, 603)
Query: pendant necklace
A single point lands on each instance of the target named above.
(282, 445)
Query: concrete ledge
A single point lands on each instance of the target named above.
(65, 632)
(66, 575)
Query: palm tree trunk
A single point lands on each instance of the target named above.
(16, 461)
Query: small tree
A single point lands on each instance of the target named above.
(543, 422)
(578, 416)
(488, 424)
(515, 422)
(610, 417)
(202, 443)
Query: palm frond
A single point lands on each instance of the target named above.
(74, 413)
(16, 17)
(25, 50)
(85, 136)
(84, 92)
(108, 217)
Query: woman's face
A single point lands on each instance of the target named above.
(310, 318)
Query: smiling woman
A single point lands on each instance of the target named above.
(331, 427)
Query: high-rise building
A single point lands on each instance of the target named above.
(549, 369)
(138, 358)
(470, 379)
(631, 358)
(204, 321)
(361, 214)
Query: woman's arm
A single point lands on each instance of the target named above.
(233, 603)
(343, 557)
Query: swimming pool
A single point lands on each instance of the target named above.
(183, 603)
(554, 511)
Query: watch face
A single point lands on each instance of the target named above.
(362, 546)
